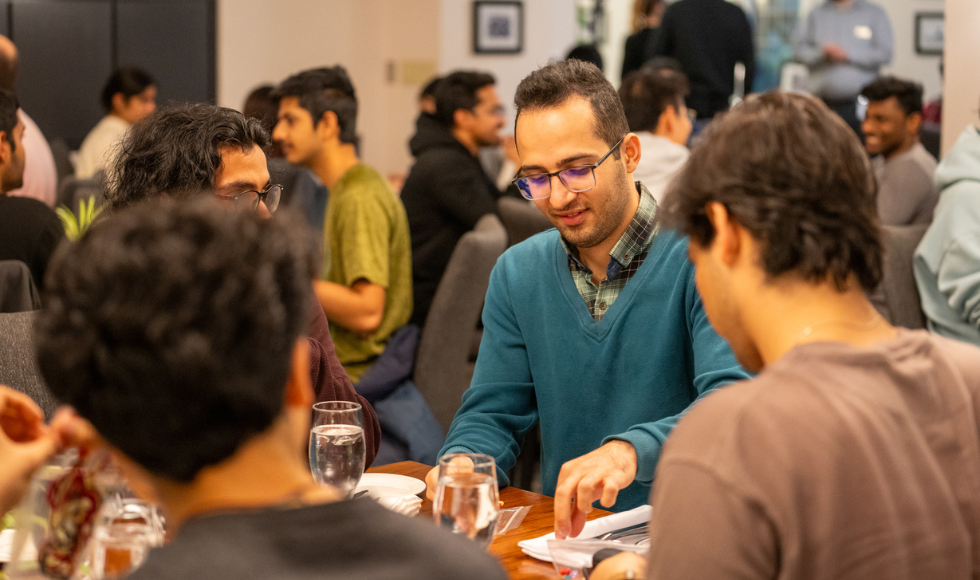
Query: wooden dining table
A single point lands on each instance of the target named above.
(539, 521)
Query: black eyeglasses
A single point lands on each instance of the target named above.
(575, 179)
(250, 199)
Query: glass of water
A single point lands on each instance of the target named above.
(337, 445)
(466, 496)
(126, 531)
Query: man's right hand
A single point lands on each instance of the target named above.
(834, 52)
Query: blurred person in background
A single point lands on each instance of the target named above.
(646, 20)
(447, 191)
(947, 261)
(301, 188)
(844, 43)
(40, 173)
(128, 97)
(708, 38)
(906, 192)
(653, 100)
(29, 230)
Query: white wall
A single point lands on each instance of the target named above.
(962, 91)
(549, 33)
(380, 42)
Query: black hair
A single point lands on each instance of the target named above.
(794, 175)
(458, 91)
(128, 80)
(8, 116)
(177, 151)
(551, 85)
(908, 93)
(263, 106)
(170, 327)
(429, 89)
(325, 89)
(586, 53)
(647, 92)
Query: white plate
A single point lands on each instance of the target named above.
(388, 484)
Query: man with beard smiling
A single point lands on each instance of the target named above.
(594, 329)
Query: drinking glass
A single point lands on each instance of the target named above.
(337, 445)
(125, 532)
(466, 496)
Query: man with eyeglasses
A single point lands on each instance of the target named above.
(594, 330)
(188, 150)
(447, 191)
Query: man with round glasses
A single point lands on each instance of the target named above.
(594, 330)
(185, 150)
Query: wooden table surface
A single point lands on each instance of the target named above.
(539, 521)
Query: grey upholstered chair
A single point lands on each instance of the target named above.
(897, 298)
(18, 368)
(443, 369)
(18, 293)
(521, 218)
(72, 190)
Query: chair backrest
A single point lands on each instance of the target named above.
(18, 366)
(443, 370)
(897, 297)
(71, 190)
(521, 218)
(18, 293)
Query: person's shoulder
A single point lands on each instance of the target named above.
(964, 357)
(29, 206)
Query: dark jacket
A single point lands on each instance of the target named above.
(445, 194)
(635, 53)
(707, 37)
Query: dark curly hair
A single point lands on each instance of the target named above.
(797, 178)
(325, 89)
(551, 85)
(170, 327)
(177, 151)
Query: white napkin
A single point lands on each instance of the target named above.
(538, 547)
(408, 505)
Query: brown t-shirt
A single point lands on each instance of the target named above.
(835, 462)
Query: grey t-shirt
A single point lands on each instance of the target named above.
(836, 462)
(354, 540)
(906, 192)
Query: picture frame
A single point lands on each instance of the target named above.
(929, 33)
(498, 27)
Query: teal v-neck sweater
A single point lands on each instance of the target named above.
(629, 376)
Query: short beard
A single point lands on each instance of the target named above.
(608, 218)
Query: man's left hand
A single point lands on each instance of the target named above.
(595, 476)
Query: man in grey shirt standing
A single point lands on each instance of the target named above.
(906, 193)
(844, 43)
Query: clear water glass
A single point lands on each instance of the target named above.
(126, 531)
(466, 496)
(337, 445)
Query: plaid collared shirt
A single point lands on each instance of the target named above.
(626, 258)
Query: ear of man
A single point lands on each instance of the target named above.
(462, 118)
(630, 152)
(666, 121)
(328, 127)
(118, 102)
(728, 244)
(6, 150)
(299, 390)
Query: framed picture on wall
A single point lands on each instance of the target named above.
(498, 27)
(929, 33)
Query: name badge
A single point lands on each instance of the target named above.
(863, 32)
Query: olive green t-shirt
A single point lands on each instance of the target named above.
(365, 236)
